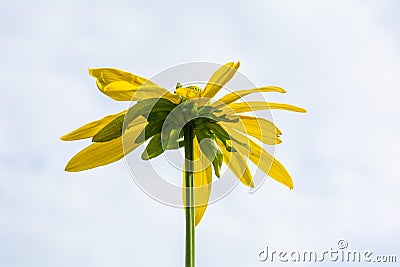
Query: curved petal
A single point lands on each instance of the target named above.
(253, 106)
(237, 164)
(232, 97)
(124, 86)
(99, 154)
(90, 129)
(263, 160)
(262, 129)
(218, 80)
(202, 182)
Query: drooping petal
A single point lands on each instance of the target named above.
(90, 129)
(124, 86)
(237, 164)
(218, 80)
(262, 159)
(99, 154)
(232, 97)
(253, 106)
(262, 129)
(202, 182)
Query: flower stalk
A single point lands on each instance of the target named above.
(189, 196)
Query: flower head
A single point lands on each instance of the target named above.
(221, 133)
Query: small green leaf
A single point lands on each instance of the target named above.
(111, 131)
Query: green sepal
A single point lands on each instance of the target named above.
(203, 133)
(156, 116)
(153, 148)
(217, 164)
(147, 106)
(201, 122)
(189, 110)
(172, 142)
(151, 129)
(219, 132)
(210, 149)
(111, 131)
(206, 111)
(230, 148)
(225, 119)
(166, 132)
(223, 135)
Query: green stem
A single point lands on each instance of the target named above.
(189, 205)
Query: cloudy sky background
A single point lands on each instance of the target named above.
(338, 59)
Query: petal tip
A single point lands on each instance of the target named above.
(68, 168)
(281, 90)
(65, 137)
(237, 65)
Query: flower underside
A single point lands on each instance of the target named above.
(222, 134)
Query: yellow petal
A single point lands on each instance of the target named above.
(108, 75)
(90, 129)
(262, 159)
(218, 80)
(232, 97)
(124, 86)
(237, 164)
(120, 90)
(262, 129)
(202, 182)
(253, 106)
(99, 154)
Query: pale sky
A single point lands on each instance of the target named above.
(338, 59)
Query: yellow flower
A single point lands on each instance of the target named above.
(221, 133)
